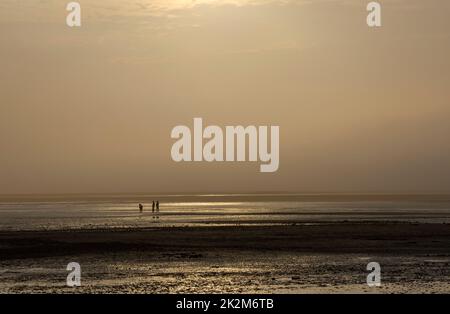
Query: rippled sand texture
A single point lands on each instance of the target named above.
(329, 258)
(230, 272)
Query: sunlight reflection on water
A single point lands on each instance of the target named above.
(118, 213)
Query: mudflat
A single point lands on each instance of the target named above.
(290, 258)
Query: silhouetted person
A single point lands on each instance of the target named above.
(153, 209)
(141, 208)
(157, 209)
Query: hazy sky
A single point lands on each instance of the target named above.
(91, 109)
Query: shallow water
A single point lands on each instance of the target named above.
(122, 211)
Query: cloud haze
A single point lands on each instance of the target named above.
(91, 109)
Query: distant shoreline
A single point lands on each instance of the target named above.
(310, 197)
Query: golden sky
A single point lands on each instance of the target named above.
(91, 109)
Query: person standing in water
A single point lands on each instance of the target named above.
(153, 208)
(141, 208)
(157, 209)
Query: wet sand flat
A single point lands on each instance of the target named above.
(327, 257)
